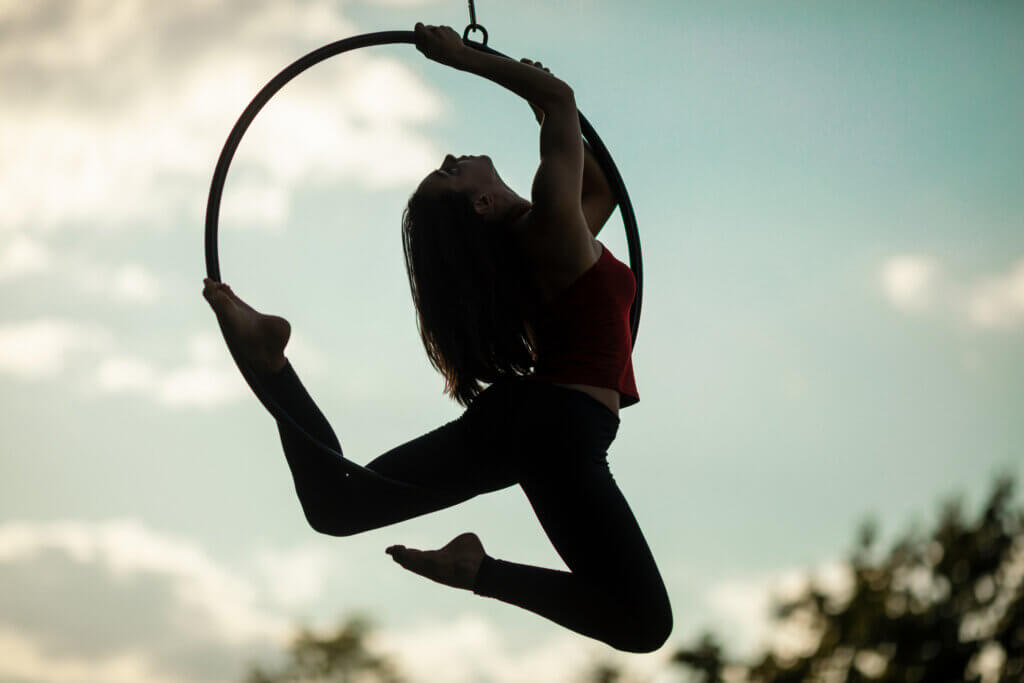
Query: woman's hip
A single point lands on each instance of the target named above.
(541, 416)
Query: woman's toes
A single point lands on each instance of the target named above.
(216, 298)
(416, 561)
(456, 564)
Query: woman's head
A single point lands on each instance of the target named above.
(475, 177)
(467, 275)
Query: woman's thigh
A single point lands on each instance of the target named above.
(577, 501)
(452, 463)
(449, 463)
(590, 524)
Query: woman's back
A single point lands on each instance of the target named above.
(559, 257)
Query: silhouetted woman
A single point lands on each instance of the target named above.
(521, 296)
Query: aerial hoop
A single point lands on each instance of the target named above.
(293, 70)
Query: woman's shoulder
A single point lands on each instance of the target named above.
(558, 254)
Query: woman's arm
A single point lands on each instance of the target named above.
(595, 183)
(442, 44)
(532, 84)
(597, 198)
(594, 180)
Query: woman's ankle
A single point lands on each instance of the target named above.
(279, 365)
(273, 373)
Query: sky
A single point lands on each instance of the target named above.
(831, 207)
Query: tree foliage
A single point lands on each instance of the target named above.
(341, 657)
(944, 606)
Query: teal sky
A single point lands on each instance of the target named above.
(831, 206)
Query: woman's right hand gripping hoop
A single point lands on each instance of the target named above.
(441, 44)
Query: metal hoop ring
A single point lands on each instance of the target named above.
(257, 103)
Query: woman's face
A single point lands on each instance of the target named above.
(472, 175)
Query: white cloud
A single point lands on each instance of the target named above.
(742, 606)
(134, 282)
(39, 349)
(295, 577)
(911, 284)
(998, 302)
(128, 283)
(164, 602)
(126, 546)
(401, 3)
(207, 347)
(907, 281)
(469, 648)
(118, 601)
(125, 374)
(208, 378)
(114, 112)
(26, 660)
(202, 386)
(23, 256)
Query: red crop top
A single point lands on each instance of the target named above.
(582, 336)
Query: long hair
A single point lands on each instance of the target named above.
(471, 291)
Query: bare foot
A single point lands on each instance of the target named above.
(455, 565)
(259, 338)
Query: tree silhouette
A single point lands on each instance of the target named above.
(948, 606)
(338, 658)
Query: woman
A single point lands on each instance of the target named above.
(519, 295)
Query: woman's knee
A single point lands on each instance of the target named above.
(348, 514)
(644, 628)
(659, 628)
(337, 519)
(333, 529)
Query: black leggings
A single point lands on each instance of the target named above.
(550, 440)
